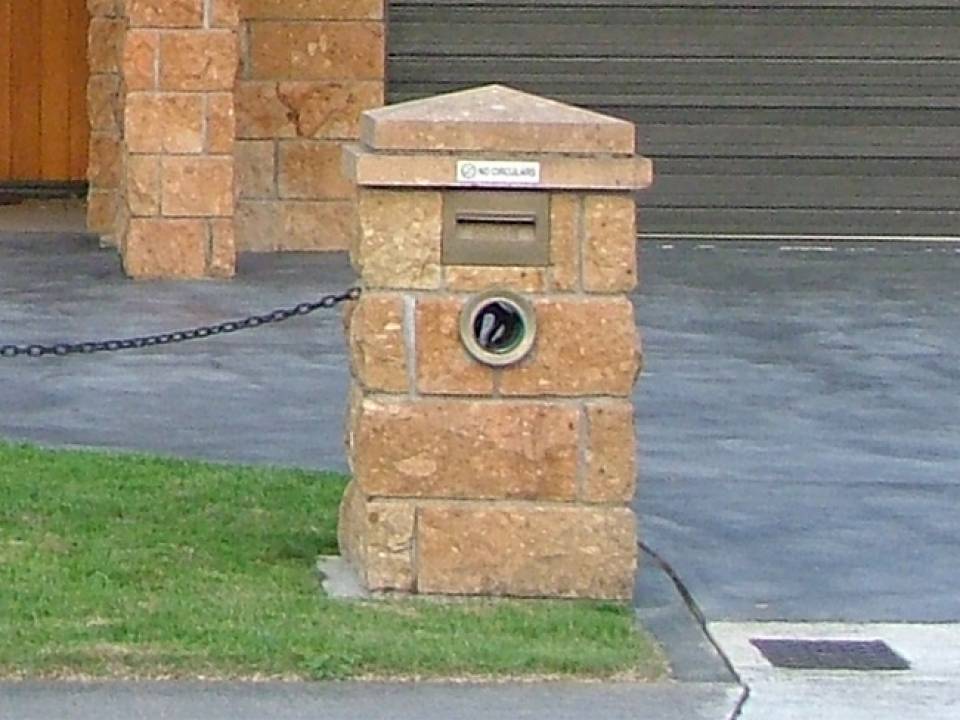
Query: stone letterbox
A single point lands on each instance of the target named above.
(494, 349)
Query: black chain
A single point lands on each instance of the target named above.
(179, 336)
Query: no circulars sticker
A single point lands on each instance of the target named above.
(498, 172)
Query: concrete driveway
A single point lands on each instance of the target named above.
(798, 416)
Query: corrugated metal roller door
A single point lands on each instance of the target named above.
(794, 118)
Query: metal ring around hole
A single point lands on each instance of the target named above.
(519, 308)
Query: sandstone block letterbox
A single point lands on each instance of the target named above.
(494, 350)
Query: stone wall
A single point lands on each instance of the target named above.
(105, 108)
(308, 69)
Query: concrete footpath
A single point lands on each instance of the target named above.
(928, 690)
(351, 701)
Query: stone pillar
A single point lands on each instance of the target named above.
(179, 67)
(493, 477)
(105, 111)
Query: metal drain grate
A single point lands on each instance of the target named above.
(830, 654)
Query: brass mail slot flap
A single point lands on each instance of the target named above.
(496, 228)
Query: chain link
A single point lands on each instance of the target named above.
(170, 338)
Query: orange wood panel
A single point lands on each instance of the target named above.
(44, 130)
(5, 53)
(79, 22)
(54, 89)
(25, 91)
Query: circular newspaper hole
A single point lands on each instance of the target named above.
(498, 328)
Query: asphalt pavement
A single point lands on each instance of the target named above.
(799, 421)
(275, 395)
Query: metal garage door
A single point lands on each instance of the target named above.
(830, 118)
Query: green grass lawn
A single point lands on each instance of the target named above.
(128, 566)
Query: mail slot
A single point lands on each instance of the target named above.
(496, 228)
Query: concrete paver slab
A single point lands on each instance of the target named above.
(930, 690)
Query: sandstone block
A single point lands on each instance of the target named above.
(351, 527)
(375, 332)
(610, 243)
(101, 211)
(221, 123)
(161, 248)
(195, 61)
(224, 13)
(329, 110)
(143, 185)
(311, 169)
(118, 237)
(377, 537)
(316, 51)
(574, 552)
(197, 186)
(354, 406)
(467, 449)
(443, 365)
(104, 8)
(559, 173)
(105, 38)
(565, 209)
(496, 118)
(141, 55)
(223, 249)
(103, 103)
(470, 278)
(164, 123)
(312, 9)
(610, 453)
(258, 226)
(103, 169)
(165, 13)
(317, 226)
(390, 528)
(585, 346)
(256, 169)
(400, 238)
(261, 114)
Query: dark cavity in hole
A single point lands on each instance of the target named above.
(499, 327)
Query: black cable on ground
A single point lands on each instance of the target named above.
(701, 619)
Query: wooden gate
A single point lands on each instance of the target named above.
(44, 129)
